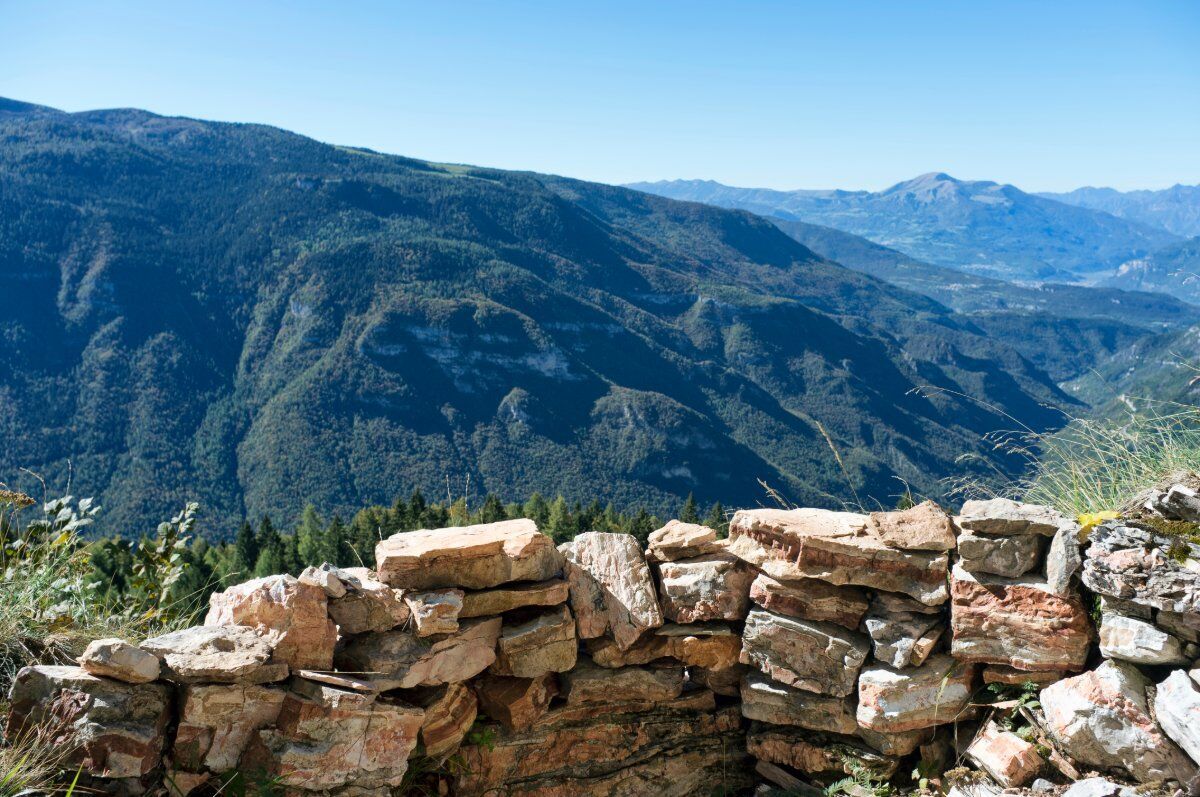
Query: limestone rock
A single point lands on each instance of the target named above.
(1179, 502)
(588, 683)
(680, 748)
(332, 696)
(679, 540)
(116, 658)
(1138, 641)
(473, 557)
(1177, 707)
(435, 611)
(403, 660)
(768, 700)
(217, 722)
(1008, 758)
(893, 701)
(837, 547)
(1099, 787)
(711, 645)
(611, 587)
(1017, 622)
(726, 681)
(897, 745)
(924, 527)
(816, 753)
(1002, 517)
(110, 728)
(1184, 626)
(325, 577)
(366, 604)
(1010, 556)
(450, 712)
(491, 602)
(545, 643)
(901, 639)
(1145, 567)
(216, 654)
(326, 745)
(709, 587)
(1064, 559)
(516, 703)
(1002, 674)
(819, 657)
(1102, 719)
(810, 599)
(294, 615)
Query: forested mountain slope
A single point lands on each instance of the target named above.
(256, 320)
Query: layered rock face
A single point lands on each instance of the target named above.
(810, 646)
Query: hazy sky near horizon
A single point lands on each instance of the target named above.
(1045, 95)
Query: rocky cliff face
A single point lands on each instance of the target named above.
(809, 646)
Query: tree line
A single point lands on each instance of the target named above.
(197, 567)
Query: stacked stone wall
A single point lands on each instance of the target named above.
(808, 646)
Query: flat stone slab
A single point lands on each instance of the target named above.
(472, 557)
(491, 602)
(679, 540)
(837, 547)
(1010, 556)
(810, 599)
(1138, 641)
(1005, 517)
(714, 646)
(216, 654)
(588, 683)
(435, 611)
(819, 657)
(924, 527)
(816, 753)
(612, 590)
(893, 701)
(1021, 623)
(767, 700)
(402, 660)
(116, 658)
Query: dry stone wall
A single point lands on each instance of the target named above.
(807, 646)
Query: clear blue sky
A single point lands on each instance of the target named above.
(1047, 95)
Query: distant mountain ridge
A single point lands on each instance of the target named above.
(242, 316)
(1175, 209)
(980, 227)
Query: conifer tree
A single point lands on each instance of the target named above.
(491, 510)
(640, 526)
(245, 551)
(688, 512)
(537, 510)
(561, 524)
(271, 553)
(312, 542)
(416, 510)
(716, 520)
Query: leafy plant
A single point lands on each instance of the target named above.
(158, 565)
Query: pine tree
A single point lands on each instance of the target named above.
(716, 520)
(561, 524)
(366, 530)
(272, 557)
(537, 510)
(312, 542)
(688, 512)
(492, 510)
(245, 552)
(416, 510)
(640, 526)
